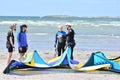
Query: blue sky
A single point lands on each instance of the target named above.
(60, 7)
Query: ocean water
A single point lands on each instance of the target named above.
(92, 34)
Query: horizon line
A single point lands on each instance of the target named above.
(62, 16)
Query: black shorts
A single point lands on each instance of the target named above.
(24, 49)
(10, 49)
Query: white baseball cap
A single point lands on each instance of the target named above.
(68, 24)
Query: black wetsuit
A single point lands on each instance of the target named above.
(60, 42)
(70, 40)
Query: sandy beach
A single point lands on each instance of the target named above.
(92, 25)
(58, 74)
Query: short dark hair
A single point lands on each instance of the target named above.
(24, 25)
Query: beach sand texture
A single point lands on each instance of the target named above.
(58, 74)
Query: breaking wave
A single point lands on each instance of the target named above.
(50, 23)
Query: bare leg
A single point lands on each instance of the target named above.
(21, 56)
(9, 58)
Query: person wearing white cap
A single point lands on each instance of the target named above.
(70, 38)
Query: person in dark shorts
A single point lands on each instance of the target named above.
(10, 42)
(70, 38)
(22, 41)
(60, 41)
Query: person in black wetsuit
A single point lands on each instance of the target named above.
(70, 38)
(60, 40)
(10, 42)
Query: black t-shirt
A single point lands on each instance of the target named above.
(10, 34)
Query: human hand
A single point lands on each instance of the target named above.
(65, 47)
(20, 49)
(27, 48)
(55, 48)
(13, 46)
(60, 36)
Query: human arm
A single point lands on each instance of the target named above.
(55, 41)
(11, 41)
(19, 41)
(69, 32)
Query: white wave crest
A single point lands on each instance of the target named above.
(51, 23)
(31, 22)
(96, 23)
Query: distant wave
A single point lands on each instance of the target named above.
(96, 23)
(51, 23)
(31, 22)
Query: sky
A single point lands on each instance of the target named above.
(60, 7)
